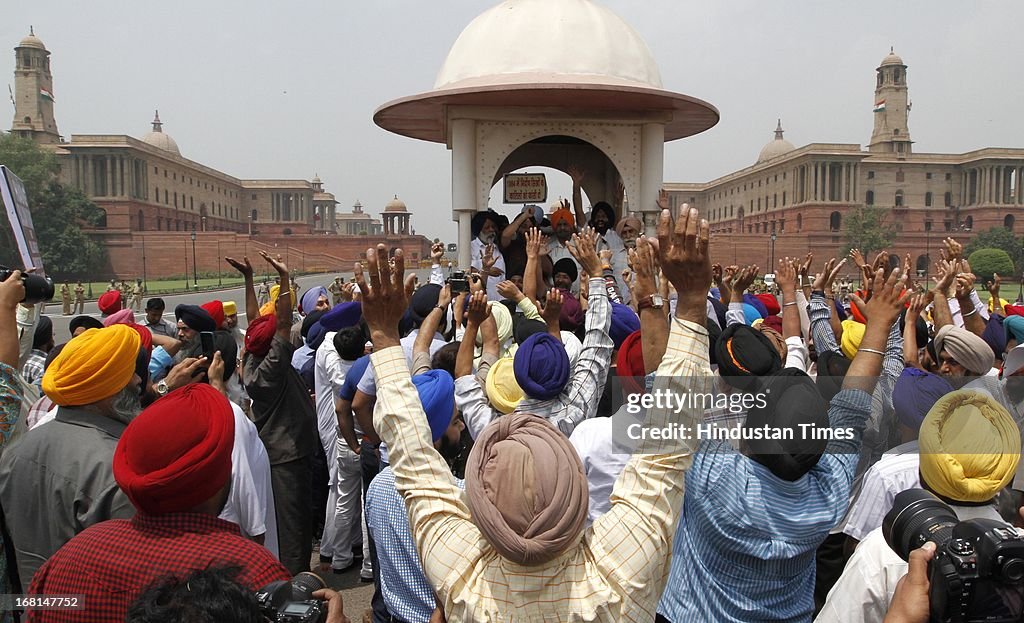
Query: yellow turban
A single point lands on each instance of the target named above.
(853, 333)
(969, 446)
(503, 320)
(230, 309)
(270, 307)
(502, 389)
(93, 366)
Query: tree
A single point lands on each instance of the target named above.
(867, 230)
(984, 262)
(58, 212)
(999, 238)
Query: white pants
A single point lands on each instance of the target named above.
(344, 507)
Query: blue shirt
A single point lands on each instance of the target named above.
(348, 388)
(745, 544)
(403, 584)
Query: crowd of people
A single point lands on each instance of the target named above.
(469, 443)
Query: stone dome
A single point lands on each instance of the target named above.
(531, 41)
(776, 147)
(32, 41)
(159, 139)
(891, 59)
(395, 205)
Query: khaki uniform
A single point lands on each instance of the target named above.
(137, 293)
(65, 298)
(79, 299)
(335, 290)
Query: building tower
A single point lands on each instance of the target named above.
(892, 108)
(33, 92)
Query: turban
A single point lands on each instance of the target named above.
(714, 332)
(195, 317)
(503, 319)
(316, 335)
(771, 304)
(719, 310)
(1013, 326)
(109, 302)
(476, 225)
(853, 334)
(750, 313)
(630, 221)
(93, 366)
(743, 354)
(832, 368)
(526, 489)
(630, 364)
(603, 206)
(308, 321)
(562, 215)
(230, 308)
(756, 303)
(177, 453)
(43, 333)
(436, 390)
(840, 311)
(216, 311)
(791, 399)
(541, 366)
(966, 348)
(568, 266)
(573, 347)
(624, 322)
(125, 316)
(260, 334)
(270, 307)
(969, 447)
(773, 322)
(1014, 310)
(995, 335)
(342, 316)
(423, 301)
(502, 390)
(145, 336)
(83, 322)
(571, 316)
(224, 343)
(311, 296)
(915, 393)
(526, 327)
(778, 342)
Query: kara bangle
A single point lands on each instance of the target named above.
(970, 313)
(789, 303)
(871, 350)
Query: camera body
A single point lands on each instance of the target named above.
(459, 282)
(293, 602)
(977, 573)
(37, 289)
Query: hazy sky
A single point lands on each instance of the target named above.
(287, 89)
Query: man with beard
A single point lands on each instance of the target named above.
(95, 382)
(962, 355)
(231, 323)
(513, 239)
(484, 253)
(564, 225)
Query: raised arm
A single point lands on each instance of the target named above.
(576, 174)
(430, 324)
(252, 305)
(822, 308)
(512, 229)
(478, 311)
(536, 246)
(786, 276)
(911, 349)
(654, 320)
(943, 283)
(284, 297)
(993, 293)
(973, 320)
(552, 312)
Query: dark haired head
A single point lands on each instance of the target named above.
(206, 596)
(444, 358)
(350, 343)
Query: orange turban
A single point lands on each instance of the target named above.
(93, 366)
(560, 215)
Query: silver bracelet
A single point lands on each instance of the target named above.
(971, 313)
(870, 350)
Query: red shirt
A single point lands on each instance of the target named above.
(112, 562)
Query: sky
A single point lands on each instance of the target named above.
(287, 89)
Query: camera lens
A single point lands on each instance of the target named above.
(1012, 571)
(37, 289)
(305, 584)
(916, 518)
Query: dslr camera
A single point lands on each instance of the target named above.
(293, 602)
(37, 289)
(977, 573)
(459, 282)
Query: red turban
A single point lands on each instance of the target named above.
(259, 334)
(773, 322)
(216, 311)
(110, 302)
(1014, 310)
(177, 453)
(630, 364)
(770, 303)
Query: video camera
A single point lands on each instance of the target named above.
(293, 602)
(977, 573)
(37, 289)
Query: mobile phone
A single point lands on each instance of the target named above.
(206, 338)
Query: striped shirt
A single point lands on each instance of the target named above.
(744, 550)
(615, 572)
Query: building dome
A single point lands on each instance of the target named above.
(531, 41)
(32, 41)
(159, 139)
(891, 59)
(777, 147)
(395, 205)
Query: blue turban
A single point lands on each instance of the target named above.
(995, 335)
(1014, 328)
(624, 322)
(757, 303)
(915, 393)
(437, 395)
(750, 314)
(541, 366)
(316, 335)
(716, 293)
(308, 301)
(342, 316)
(840, 311)
(198, 319)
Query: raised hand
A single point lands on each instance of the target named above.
(243, 267)
(828, 275)
(576, 174)
(857, 257)
(729, 275)
(385, 297)
(952, 250)
(785, 275)
(347, 292)
(488, 259)
(645, 266)
(805, 268)
(444, 297)
(743, 280)
(683, 248)
(664, 203)
(510, 291)
(584, 249)
(964, 285)
(437, 252)
(478, 309)
(552, 307)
(886, 301)
(918, 303)
(993, 286)
(277, 263)
(535, 241)
(946, 271)
(12, 291)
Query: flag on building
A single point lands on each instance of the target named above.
(46, 94)
(879, 106)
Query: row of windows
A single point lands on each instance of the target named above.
(218, 209)
(869, 199)
(737, 189)
(206, 186)
(900, 176)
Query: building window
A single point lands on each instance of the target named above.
(254, 197)
(1009, 221)
(927, 225)
(157, 194)
(969, 223)
(947, 200)
(899, 175)
(835, 220)
(156, 171)
(869, 198)
(166, 202)
(899, 199)
(175, 199)
(949, 176)
(783, 198)
(927, 176)
(775, 201)
(871, 175)
(928, 199)
(799, 222)
(165, 173)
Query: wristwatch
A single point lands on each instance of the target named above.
(161, 388)
(654, 301)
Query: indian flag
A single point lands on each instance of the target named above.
(879, 106)
(46, 94)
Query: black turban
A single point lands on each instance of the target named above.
(790, 399)
(477, 224)
(423, 301)
(568, 266)
(195, 317)
(832, 368)
(525, 328)
(310, 320)
(86, 322)
(744, 354)
(44, 332)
